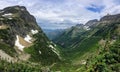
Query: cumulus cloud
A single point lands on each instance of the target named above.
(65, 13)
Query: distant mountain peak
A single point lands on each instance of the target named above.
(91, 22)
(17, 21)
(111, 18)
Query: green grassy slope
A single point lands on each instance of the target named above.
(87, 48)
(47, 56)
(18, 67)
(106, 60)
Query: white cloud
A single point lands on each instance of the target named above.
(62, 10)
(110, 7)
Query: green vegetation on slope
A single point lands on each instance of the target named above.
(97, 57)
(47, 56)
(82, 53)
(17, 67)
(5, 36)
(107, 60)
(86, 48)
(70, 36)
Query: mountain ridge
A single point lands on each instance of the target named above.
(21, 34)
(93, 47)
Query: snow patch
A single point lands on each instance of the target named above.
(28, 38)
(51, 46)
(7, 15)
(34, 31)
(55, 52)
(54, 49)
(22, 9)
(87, 27)
(40, 52)
(17, 43)
(83, 62)
(10, 18)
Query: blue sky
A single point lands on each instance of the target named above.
(57, 14)
(95, 8)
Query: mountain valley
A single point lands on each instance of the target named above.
(90, 47)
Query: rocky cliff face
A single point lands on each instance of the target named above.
(92, 23)
(17, 21)
(19, 30)
(110, 18)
